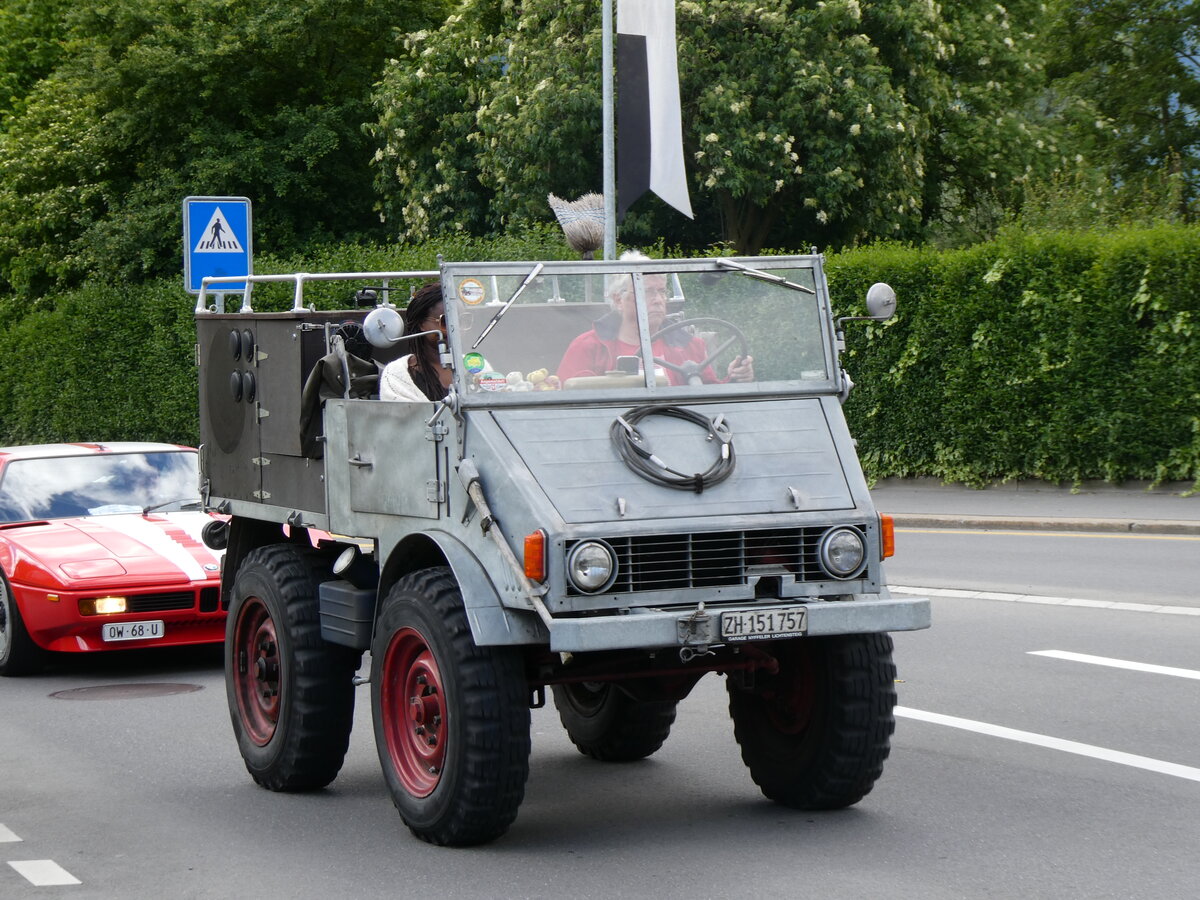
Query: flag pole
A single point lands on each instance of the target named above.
(610, 180)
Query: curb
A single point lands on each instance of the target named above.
(1045, 523)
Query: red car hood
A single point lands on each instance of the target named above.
(157, 548)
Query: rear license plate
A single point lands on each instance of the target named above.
(763, 624)
(133, 631)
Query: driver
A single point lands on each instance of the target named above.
(595, 352)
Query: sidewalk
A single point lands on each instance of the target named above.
(927, 503)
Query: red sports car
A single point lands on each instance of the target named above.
(100, 549)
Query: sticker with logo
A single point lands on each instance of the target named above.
(471, 291)
(473, 363)
(493, 381)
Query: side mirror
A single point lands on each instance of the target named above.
(881, 301)
(383, 327)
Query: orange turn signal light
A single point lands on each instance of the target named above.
(535, 556)
(887, 537)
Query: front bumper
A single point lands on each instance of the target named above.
(657, 628)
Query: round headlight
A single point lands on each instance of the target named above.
(591, 566)
(842, 551)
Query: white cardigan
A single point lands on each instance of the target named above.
(396, 383)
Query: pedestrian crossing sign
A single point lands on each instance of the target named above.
(216, 241)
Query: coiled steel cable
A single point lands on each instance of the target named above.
(634, 449)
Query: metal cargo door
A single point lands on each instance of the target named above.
(380, 458)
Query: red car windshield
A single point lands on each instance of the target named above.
(102, 484)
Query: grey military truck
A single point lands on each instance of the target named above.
(641, 474)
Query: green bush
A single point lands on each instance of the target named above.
(1063, 357)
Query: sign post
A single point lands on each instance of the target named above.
(217, 240)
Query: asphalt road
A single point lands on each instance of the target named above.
(1038, 753)
(1139, 568)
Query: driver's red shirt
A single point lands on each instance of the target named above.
(590, 354)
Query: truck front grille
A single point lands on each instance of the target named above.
(714, 559)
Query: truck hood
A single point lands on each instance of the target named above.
(160, 547)
(787, 461)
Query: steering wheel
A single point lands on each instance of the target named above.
(691, 370)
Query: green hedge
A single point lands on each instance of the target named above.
(1064, 357)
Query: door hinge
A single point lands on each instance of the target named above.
(435, 491)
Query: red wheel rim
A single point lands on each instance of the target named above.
(256, 671)
(413, 708)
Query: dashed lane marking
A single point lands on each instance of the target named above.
(1052, 601)
(1117, 663)
(1041, 740)
(7, 836)
(44, 872)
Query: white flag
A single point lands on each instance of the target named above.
(649, 123)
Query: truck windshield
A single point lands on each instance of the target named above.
(651, 331)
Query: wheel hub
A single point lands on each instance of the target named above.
(415, 707)
(257, 678)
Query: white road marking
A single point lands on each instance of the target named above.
(1050, 601)
(44, 872)
(1043, 533)
(7, 836)
(1117, 663)
(1040, 740)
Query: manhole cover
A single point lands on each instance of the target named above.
(127, 691)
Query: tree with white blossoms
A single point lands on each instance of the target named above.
(804, 122)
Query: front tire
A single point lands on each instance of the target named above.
(607, 724)
(19, 655)
(290, 693)
(451, 719)
(815, 734)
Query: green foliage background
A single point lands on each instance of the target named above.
(1064, 357)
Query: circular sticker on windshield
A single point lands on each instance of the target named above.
(473, 363)
(493, 381)
(471, 291)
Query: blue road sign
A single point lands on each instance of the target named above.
(216, 241)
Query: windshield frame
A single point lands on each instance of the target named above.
(454, 273)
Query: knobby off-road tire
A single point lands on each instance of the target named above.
(451, 719)
(19, 655)
(815, 735)
(290, 693)
(607, 724)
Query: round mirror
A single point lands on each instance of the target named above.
(383, 327)
(881, 301)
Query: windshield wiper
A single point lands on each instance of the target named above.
(764, 276)
(184, 503)
(511, 300)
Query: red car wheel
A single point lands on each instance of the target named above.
(451, 718)
(290, 692)
(256, 675)
(414, 699)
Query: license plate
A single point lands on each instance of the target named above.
(132, 631)
(763, 624)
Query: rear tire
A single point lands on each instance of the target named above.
(815, 734)
(451, 718)
(19, 655)
(607, 724)
(290, 693)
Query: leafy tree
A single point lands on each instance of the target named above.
(831, 122)
(157, 99)
(31, 33)
(1127, 80)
